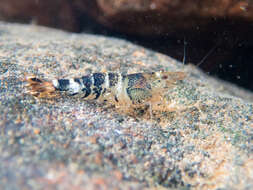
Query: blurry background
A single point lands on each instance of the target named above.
(217, 35)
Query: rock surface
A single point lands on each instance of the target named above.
(166, 17)
(67, 143)
(143, 17)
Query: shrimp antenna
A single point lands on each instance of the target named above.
(185, 44)
(207, 55)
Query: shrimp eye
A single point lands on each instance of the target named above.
(164, 77)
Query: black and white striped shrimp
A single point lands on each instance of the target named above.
(122, 90)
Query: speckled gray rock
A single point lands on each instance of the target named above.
(67, 143)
